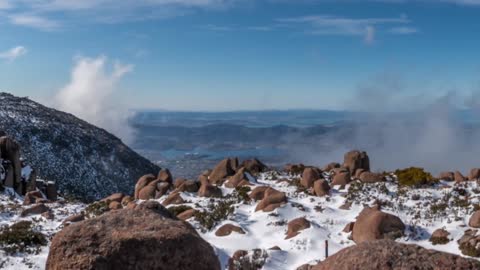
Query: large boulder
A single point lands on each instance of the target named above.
(373, 224)
(474, 220)
(354, 160)
(390, 255)
(321, 187)
(474, 174)
(254, 165)
(447, 176)
(224, 169)
(150, 187)
(143, 238)
(294, 168)
(458, 177)
(309, 176)
(272, 199)
(208, 190)
(165, 176)
(241, 178)
(258, 193)
(341, 177)
(142, 182)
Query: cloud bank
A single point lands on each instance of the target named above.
(93, 95)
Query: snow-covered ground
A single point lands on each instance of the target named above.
(10, 210)
(424, 210)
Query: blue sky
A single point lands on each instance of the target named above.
(241, 54)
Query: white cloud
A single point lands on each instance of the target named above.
(39, 13)
(33, 21)
(369, 34)
(13, 53)
(5, 4)
(92, 95)
(403, 30)
(336, 25)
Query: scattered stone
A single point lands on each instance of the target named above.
(227, 229)
(208, 190)
(390, 255)
(272, 199)
(309, 176)
(321, 187)
(239, 179)
(341, 178)
(173, 198)
(189, 186)
(258, 193)
(74, 218)
(141, 238)
(127, 199)
(373, 224)
(294, 168)
(243, 260)
(469, 243)
(474, 174)
(370, 177)
(354, 160)
(223, 170)
(36, 209)
(440, 237)
(458, 177)
(116, 197)
(114, 205)
(295, 226)
(165, 176)
(141, 183)
(32, 197)
(447, 176)
(254, 166)
(330, 166)
(187, 214)
(474, 220)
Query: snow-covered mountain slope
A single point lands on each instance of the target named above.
(85, 161)
(423, 210)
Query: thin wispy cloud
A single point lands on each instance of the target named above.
(34, 21)
(404, 30)
(40, 13)
(14, 53)
(336, 25)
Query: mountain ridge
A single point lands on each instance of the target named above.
(86, 161)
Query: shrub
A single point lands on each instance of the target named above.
(20, 237)
(439, 240)
(215, 213)
(415, 177)
(177, 210)
(96, 209)
(242, 193)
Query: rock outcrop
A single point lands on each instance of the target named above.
(143, 238)
(390, 255)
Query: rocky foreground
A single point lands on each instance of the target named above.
(248, 216)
